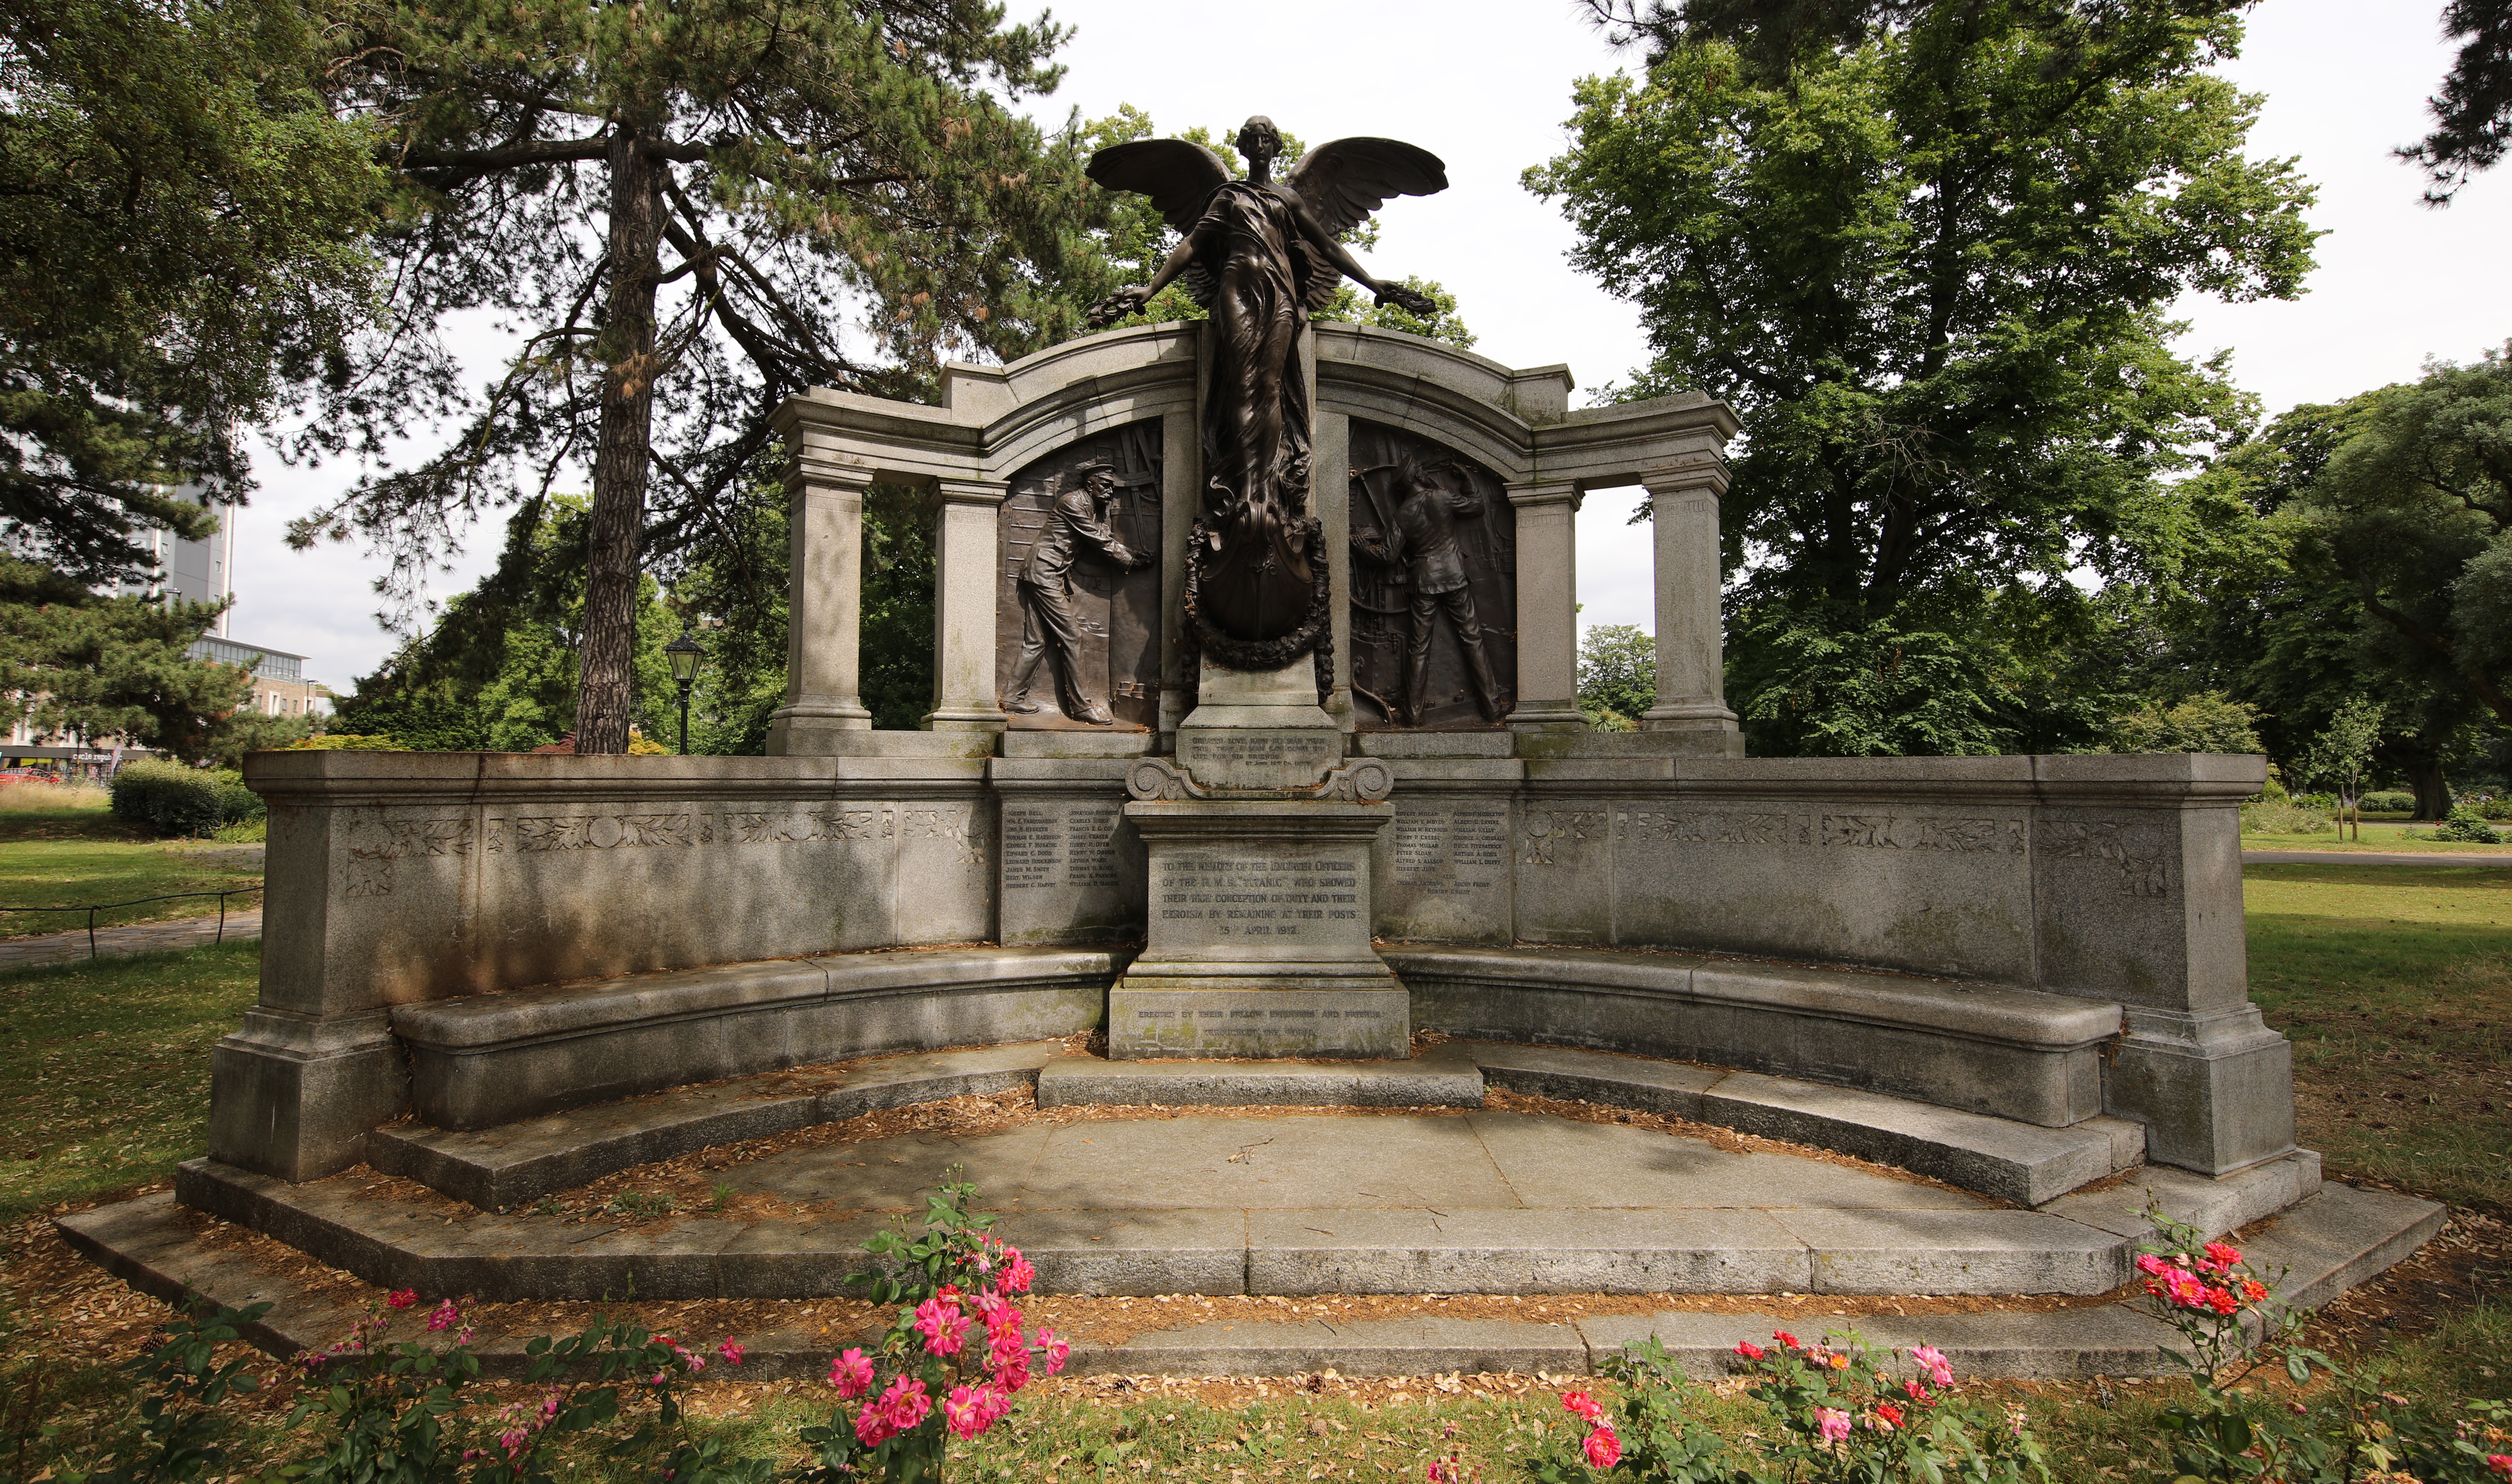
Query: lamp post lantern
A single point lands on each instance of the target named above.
(685, 652)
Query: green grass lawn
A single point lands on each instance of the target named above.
(2395, 985)
(2377, 835)
(70, 857)
(104, 1069)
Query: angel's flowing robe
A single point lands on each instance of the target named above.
(1255, 584)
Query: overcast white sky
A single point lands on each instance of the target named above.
(1485, 85)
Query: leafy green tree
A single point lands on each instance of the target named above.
(831, 195)
(182, 229)
(2415, 511)
(99, 668)
(2206, 723)
(1927, 256)
(1617, 676)
(2343, 755)
(1138, 241)
(498, 670)
(2473, 111)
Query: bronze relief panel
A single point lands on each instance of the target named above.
(1433, 586)
(1078, 589)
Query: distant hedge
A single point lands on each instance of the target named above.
(175, 800)
(345, 742)
(2390, 802)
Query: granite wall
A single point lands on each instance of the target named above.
(398, 879)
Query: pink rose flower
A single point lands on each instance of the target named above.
(1939, 1370)
(942, 1325)
(445, 1315)
(961, 1414)
(1834, 1424)
(1605, 1449)
(1750, 1350)
(851, 1374)
(1580, 1404)
(730, 1350)
(873, 1426)
(1057, 1349)
(1018, 1274)
(906, 1402)
(401, 1298)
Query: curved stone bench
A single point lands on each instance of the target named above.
(490, 1059)
(2019, 1054)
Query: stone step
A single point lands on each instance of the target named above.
(2341, 1238)
(500, 1168)
(1447, 1077)
(513, 1165)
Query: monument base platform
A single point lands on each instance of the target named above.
(1441, 1080)
(1184, 1015)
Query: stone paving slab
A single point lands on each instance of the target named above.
(2018, 1162)
(1440, 1078)
(2338, 1238)
(39, 948)
(1539, 1251)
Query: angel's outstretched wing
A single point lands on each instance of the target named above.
(1344, 181)
(1179, 175)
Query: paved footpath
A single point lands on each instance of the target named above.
(2369, 858)
(118, 942)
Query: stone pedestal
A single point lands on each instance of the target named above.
(1258, 841)
(1259, 935)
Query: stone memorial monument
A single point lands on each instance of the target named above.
(1255, 748)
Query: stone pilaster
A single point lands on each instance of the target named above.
(1330, 500)
(1691, 647)
(963, 608)
(1547, 609)
(1181, 497)
(824, 611)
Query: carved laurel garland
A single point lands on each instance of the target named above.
(1315, 635)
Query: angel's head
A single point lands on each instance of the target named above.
(1262, 143)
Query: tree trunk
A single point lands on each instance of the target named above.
(606, 696)
(2433, 792)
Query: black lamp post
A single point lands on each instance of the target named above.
(685, 653)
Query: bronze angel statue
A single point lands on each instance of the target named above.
(1261, 254)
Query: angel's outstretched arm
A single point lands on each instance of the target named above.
(1179, 257)
(1336, 252)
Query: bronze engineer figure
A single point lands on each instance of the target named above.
(1261, 254)
(1424, 547)
(1076, 524)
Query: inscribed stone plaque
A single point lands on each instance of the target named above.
(1444, 870)
(1072, 870)
(1078, 588)
(1433, 570)
(1260, 915)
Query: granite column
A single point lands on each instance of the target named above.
(824, 611)
(963, 608)
(1547, 609)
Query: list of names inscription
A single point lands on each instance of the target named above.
(1458, 852)
(1057, 845)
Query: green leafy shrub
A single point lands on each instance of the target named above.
(175, 800)
(346, 742)
(2387, 801)
(2467, 825)
(2495, 809)
(170, 797)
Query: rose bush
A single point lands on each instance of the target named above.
(954, 1357)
